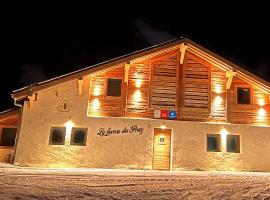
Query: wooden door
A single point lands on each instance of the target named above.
(162, 149)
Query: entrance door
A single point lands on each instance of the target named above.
(162, 149)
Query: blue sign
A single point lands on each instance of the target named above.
(172, 114)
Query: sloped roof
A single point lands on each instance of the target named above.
(9, 113)
(192, 46)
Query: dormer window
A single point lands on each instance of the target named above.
(244, 96)
(114, 87)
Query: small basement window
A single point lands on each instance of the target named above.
(114, 87)
(8, 136)
(57, 136)
(78, 136)
(243, 96)
(213, 143)
(233, 143)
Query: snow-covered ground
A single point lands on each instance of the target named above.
(31, 183)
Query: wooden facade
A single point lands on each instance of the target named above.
(195, 89)
(179, 76)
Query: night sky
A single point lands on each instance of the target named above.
(41, 43)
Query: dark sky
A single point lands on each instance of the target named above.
(40, 43)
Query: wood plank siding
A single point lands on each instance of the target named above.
(196, 90)
(218, 95)
(164, 82)
(99, 103)
(138, 90)
(249, 114)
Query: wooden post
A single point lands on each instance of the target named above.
(229, 75)
(183, 49)
(32, 99)
(228, 106)
(127, 66)
(80, 81)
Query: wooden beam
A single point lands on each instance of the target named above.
(127, 66)
(229, 75)
(80, 81)
(183, 49)
(32, 99)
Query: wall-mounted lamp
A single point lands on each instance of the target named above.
(261, 102)
(138, 83)
(96, 104)
(163, 126)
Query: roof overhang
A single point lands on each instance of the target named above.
(193, 47)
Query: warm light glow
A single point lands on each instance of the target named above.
(218, 88)
(96, 104)
(217, 101)
(69, 124)
(262, 112)
(138, 83)
(137, 96)
(261, 116)
(163, 126)
(96, 92)
(261, 102)
(224, 134)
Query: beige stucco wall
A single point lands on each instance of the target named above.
(129, 150)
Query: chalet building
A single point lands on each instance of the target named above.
(173, 106)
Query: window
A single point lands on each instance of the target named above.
(57, 136)
(213, 142)
(233, 143)
(161, 140)
(78, 136)
(114, 87)
(8, 137)
(64, 106)
(243, 96)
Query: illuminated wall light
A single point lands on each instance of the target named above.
(137, 96)
(96, 92)
(138, 83)
(261, 115)
(96, 104)
(261, 102)
(163, 126)
(224, 134)
(262, 112)
(69, 124)
(217, 101)
(218, 89)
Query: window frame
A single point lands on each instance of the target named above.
(50, 136)
(72, 136)
(240, 146)
(251, 95)
(1, 135)
(219, 143)
(106, 87)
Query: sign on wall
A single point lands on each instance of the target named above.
(164, 114)
(134, 129)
